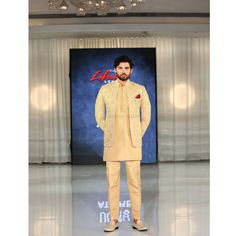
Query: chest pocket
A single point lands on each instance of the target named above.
(137, 102)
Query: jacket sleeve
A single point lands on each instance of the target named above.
(145, 111)
(100, 109)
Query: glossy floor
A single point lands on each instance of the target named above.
(70, 200)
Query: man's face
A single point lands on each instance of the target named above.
(123, 71)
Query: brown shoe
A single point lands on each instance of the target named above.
(139, 226)
(111, 226)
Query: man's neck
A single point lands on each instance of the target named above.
(122, 82)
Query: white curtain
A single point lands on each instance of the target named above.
(183, 98)
(182, 95)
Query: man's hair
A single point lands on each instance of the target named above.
(123, 58)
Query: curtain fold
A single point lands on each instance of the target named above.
(182, 95)
(183, 98)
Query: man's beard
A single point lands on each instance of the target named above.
(123, 78)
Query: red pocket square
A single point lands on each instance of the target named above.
(138, 96)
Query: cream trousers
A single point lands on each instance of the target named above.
(134, 187)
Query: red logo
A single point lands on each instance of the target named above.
(138, 96)
(99, 75)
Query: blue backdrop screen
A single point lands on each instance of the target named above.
(89, 70)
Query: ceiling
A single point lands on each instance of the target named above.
(155, 17)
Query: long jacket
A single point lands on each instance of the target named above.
(105, 107)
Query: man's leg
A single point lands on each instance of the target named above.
(133, 170)
(134, 185)
(113, 185)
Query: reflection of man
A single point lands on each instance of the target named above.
(123, 134)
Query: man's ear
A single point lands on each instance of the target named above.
(131, 71)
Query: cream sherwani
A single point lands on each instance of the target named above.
(123, 133)
(122, 148)
(135, 100)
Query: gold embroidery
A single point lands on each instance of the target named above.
(107, 96)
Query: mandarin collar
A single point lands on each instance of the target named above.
(119, 84)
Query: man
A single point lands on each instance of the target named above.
(123, 134)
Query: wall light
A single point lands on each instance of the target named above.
(182, 96)
(42, 97)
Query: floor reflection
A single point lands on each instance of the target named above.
(70, 200)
